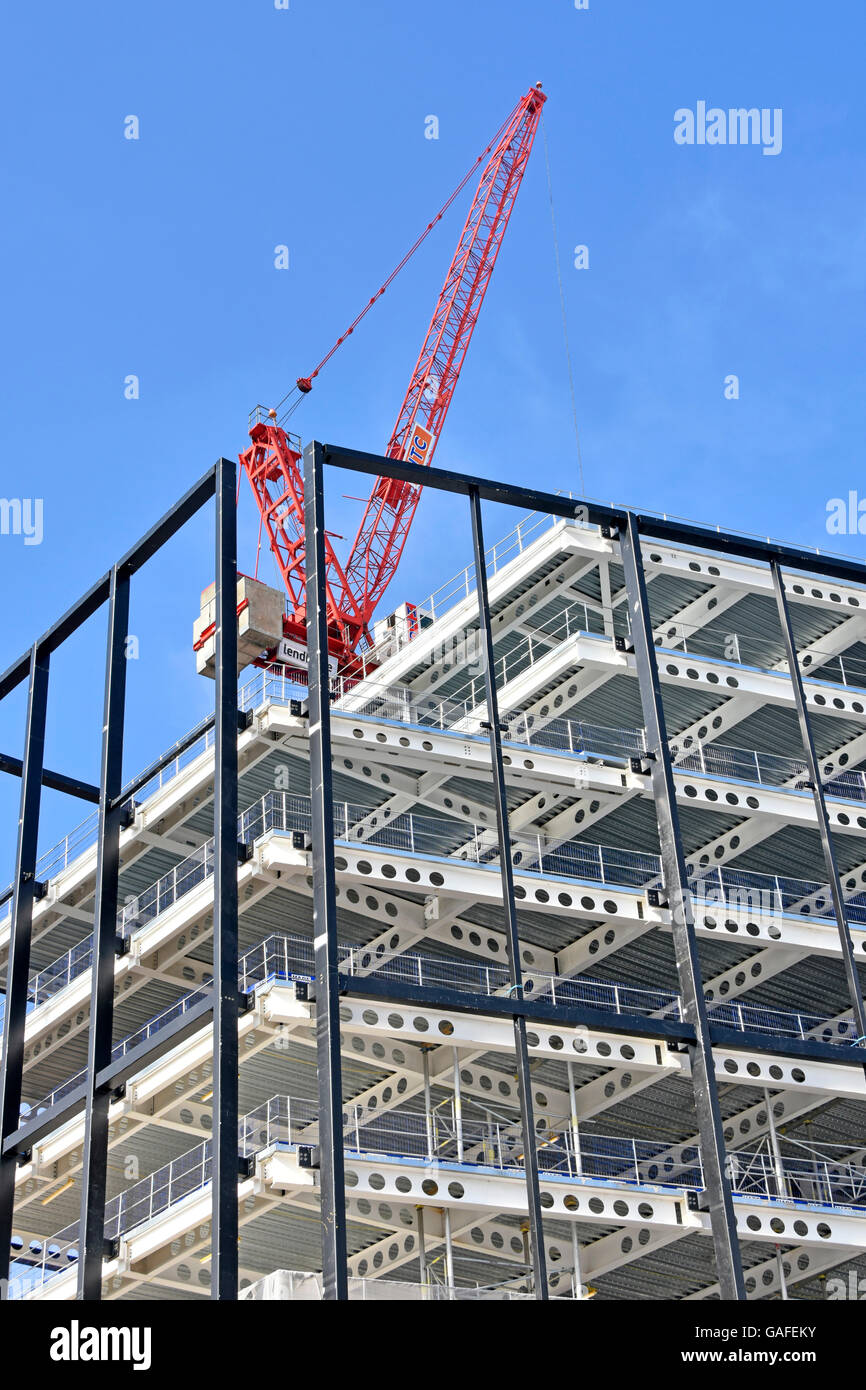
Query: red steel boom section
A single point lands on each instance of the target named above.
(272, 464)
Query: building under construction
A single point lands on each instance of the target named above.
(545, 934)
(505, 947)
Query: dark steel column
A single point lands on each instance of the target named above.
(722, 1220)
(99, 1038)
(224, 1143)
(814, 766)
(524, 1085)
(332, 1180)
(18, 969)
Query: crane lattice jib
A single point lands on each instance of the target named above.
(272, 462)
(391, 508)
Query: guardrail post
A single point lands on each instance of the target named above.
(24, 889)
(779, 1167)
(524, 1085)
(722, 1219)
(836, 893)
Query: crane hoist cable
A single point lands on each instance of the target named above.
(303, 385)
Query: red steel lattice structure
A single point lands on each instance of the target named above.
(272, 462)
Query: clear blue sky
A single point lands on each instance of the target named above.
(305, 127)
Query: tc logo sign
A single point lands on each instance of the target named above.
(420, 442)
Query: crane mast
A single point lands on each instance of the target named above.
(272, 462)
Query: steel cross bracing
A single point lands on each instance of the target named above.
(459, 902)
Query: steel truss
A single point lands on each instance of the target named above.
(353, 1009)
(628, 526)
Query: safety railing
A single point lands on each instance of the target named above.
(44, 1259)
(575, 619)
(443, 1137)
(575, 736)
(455, 712)
(284, 957)
(462, 585)
(741, 764)
(824, 1176)
(307, 1286)
(278, 957)
(827, 1176)
(770, 895)
(431, 972)
(722, 888)
(399, 703)
(288, 957)
(281, 1120)
(760, 653)
(767, 769)
(58, 858)
(45, 983)
(123, 1047)
(758, 1018)
(848, 785)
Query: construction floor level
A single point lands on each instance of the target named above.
(436, 1194)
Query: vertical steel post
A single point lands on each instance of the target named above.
(778, 1165)
(428, 1106)
(449, 1252)
(99, 1039)
(422, 1251)
(458, 1106)
(576, 1279)
(722, 1220)
(18, 968)
(838, 897)
(524, 1084)
(575, 1128)
(224, 1141)
(330, 1083)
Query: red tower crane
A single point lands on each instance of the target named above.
(272, 461)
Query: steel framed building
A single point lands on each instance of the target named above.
(527, 966)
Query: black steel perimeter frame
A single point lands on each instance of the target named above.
(696, 1031)
(103, 1077)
